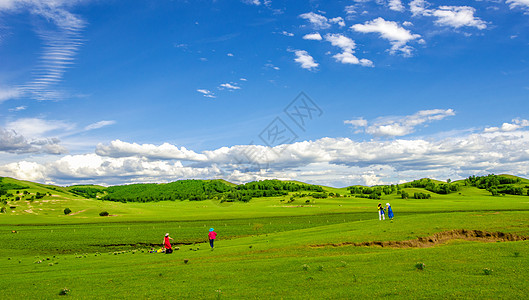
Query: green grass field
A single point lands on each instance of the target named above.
(266, 249)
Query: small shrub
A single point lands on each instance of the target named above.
(343, 264)
(103, 213)
(64, 292)
(420, 266)
(305, 267)
(186, 261)
(3, 210)
(67, 211)
(487, 271)
(320, 268)
(516, 254)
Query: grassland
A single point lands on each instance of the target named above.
(267, 248)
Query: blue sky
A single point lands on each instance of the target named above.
(328, 92)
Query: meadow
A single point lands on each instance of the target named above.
(267, 248)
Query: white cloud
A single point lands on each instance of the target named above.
(389, 30)
(507, 127)
(271, 66)
(518, 3)
(207, 93)
(313, 36)
(230, 54)
(12, 142)
(396, 5)
(347, 45)
(400, 126)
(60, 45)
(341, 41)
(458, 16)
(318, 21)
(357, 122)
(165, 151)
(18, 108)
(100, 124)
(37, 128)
(243, 79)
(349, 58)
(7, 93)
(451, 16)
(338, 20)
(407, 23)
(229, 86)
(336, 161)
(252, 2)
(305, 60)
(350, 10)
(286, 33)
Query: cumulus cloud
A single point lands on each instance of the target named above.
(318, 21)
(11, 142)
(321, 22)
(335, 161)
(399, 126)
(391, 31)
(450, 16)
(396, 5)
(165, 151)
(507, 127)
(305, 60)
(313, 36)
(338, 20)
(347, 45)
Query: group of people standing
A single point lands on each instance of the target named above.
(382, 212)
(212, 235)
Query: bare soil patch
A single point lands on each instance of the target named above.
(436, 239)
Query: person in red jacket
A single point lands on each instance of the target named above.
(167, 244)
(212, 236)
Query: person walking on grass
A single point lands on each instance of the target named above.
(167, 244)
(390, 211)
(381, 215)
(212, 235)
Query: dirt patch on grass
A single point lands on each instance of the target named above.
(436, 239)
(77, 212)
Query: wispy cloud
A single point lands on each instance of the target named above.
(207, 93)
(61, 38)
(18, 108)
(229, 86)
(100, 124)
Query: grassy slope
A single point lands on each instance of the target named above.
(280, 235)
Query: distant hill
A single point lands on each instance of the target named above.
(224, 191)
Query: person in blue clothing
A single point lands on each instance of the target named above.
(381, 215)
(390, 211)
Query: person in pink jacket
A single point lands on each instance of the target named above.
(212, 235)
